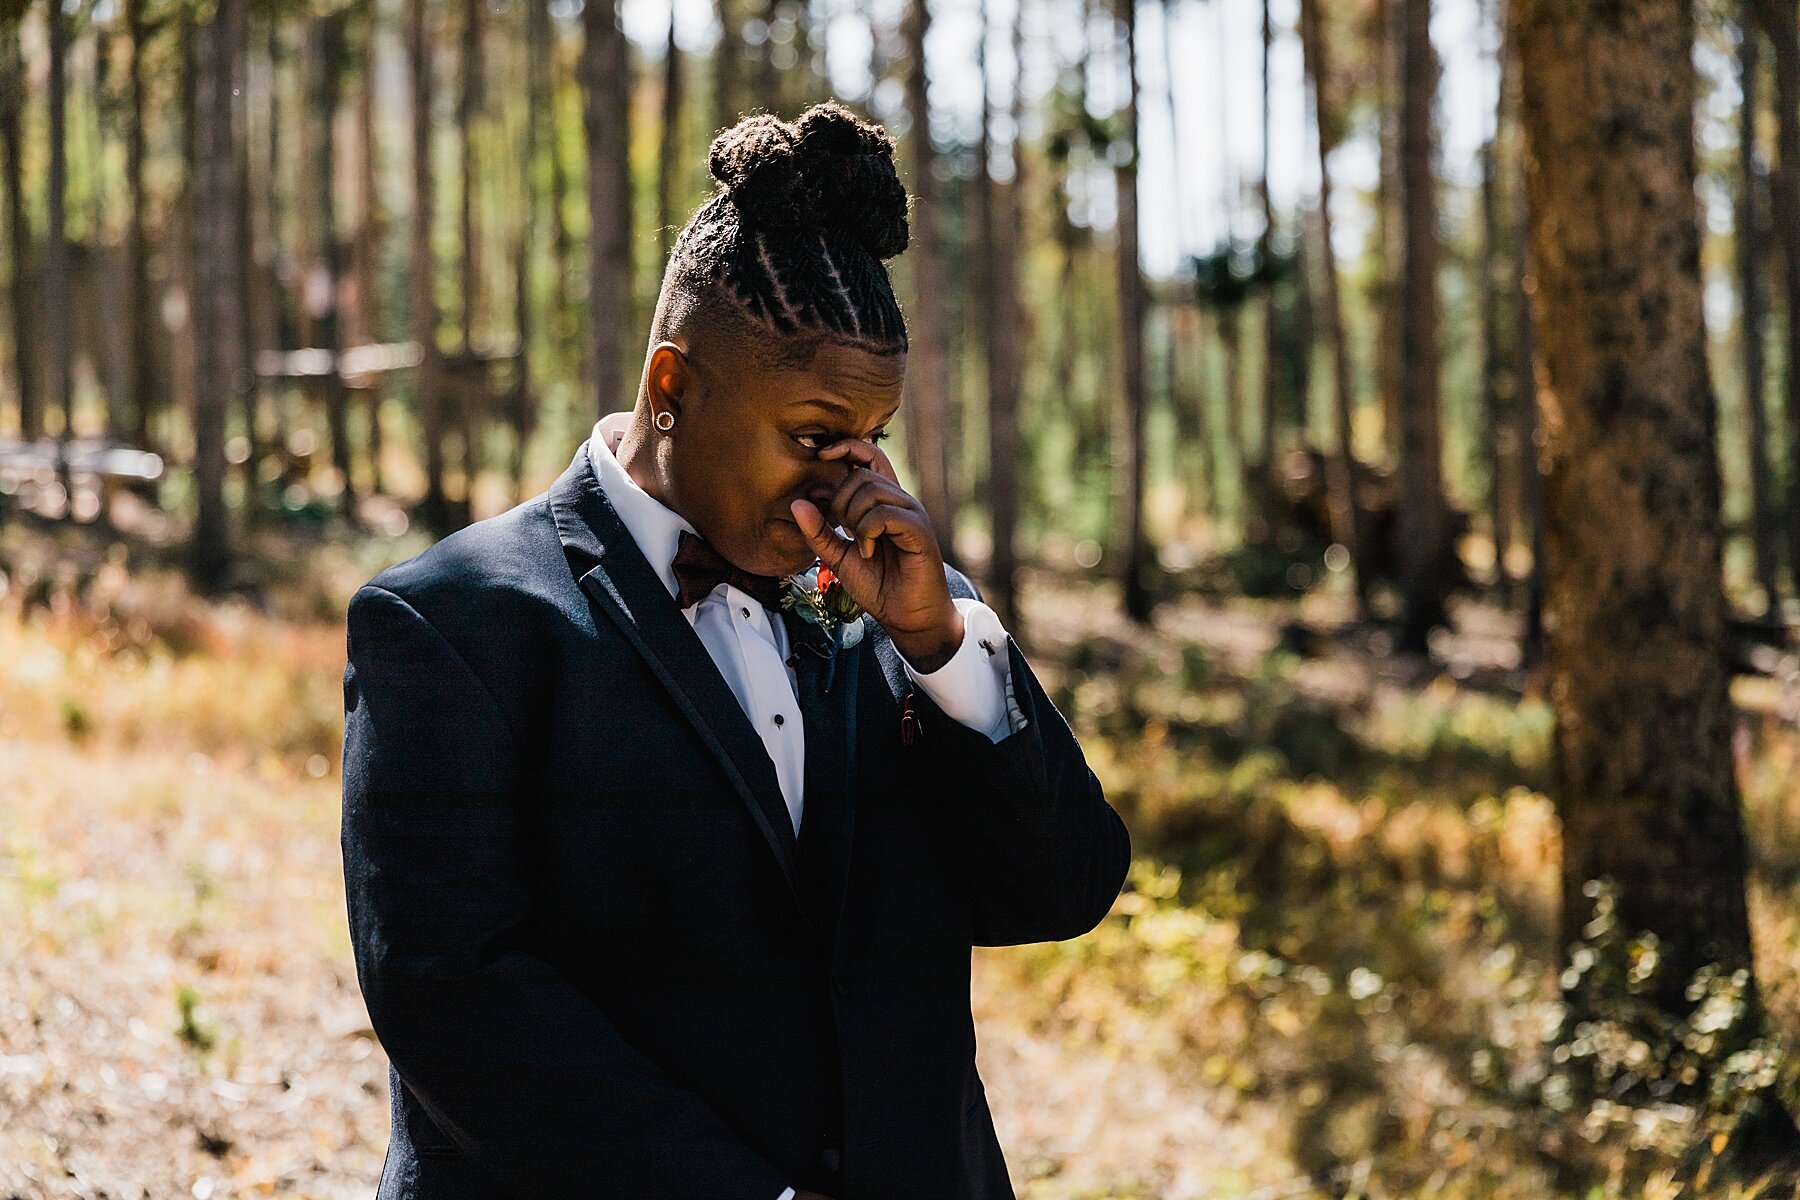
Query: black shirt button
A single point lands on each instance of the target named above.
(780, 720)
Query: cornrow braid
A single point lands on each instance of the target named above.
(794, 241)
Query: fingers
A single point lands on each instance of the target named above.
(861, 453)
(906, 528)
(863, 491)
(826, 542)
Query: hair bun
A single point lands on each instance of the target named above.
(829, 172)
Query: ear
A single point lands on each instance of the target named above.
(672, 378)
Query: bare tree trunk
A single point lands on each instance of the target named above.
(18, 232)
(1341, 478)
(142, 379)
(1134, 560)
(1763, 537)
(606, 84)
(1270, 416)
(57, 314)
(218, 292)
(1003, 329)
(1196, 412)
(370, 233)
(470, 390)
(1638, 675)
(542, 83)
(325, 49)
(927, 387)
(523, 400)
(1422, 506)
(435, 510)
(1782, 24)
(668, 161)
(1493, 358)
(1389, 227)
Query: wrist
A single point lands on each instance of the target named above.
(928, 649)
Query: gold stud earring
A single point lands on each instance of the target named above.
(664, 420)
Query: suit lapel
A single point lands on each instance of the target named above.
(620, 582)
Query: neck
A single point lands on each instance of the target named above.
(637, 454)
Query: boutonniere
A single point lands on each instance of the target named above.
(818, 598)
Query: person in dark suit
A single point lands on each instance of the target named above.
(664, 857)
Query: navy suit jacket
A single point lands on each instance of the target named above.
(599, 959)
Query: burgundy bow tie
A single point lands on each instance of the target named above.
(699, 569)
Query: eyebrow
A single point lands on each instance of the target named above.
(843, 409)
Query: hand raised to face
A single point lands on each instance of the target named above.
(891, 563)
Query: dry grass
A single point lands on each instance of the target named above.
(1331, 975)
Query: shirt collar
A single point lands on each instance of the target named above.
(653, 525)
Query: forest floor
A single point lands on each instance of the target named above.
(1331, 974)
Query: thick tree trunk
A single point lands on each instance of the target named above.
(606, 84)
(1763, 536)
(1341, 479)
(434, 511)
(470, 392)
(1134, 558)
(217, 293)
(1389, 226)
(523, 398)
(1421, 517)
(18, 234)
(1634, 606)
(928, 336)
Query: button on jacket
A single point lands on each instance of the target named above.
(598, 954)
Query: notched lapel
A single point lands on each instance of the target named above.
(620, 582)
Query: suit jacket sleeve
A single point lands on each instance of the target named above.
(521, 1071)
(1043, 853)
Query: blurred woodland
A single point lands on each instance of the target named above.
(1415, 547)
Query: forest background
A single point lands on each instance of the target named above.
(1378, 418)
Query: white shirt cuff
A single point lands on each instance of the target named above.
(975, 686)
(787, 1194)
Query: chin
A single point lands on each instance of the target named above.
(784, 551)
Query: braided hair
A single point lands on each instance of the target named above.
(792, 243)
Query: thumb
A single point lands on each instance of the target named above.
(831, 546)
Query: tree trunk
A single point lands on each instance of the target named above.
(668, 159)
(57, 314)
(1421, 517)
(1493, 359)
(1763, 537)
(217, 292)
(606, 85)
(1270, 416)
(18, 233)
(370, 234)
(1782, 24)
(325, 46)
(1341, 478)
(1004, 333)
(1389, 227)
(1134, 561)
(470, 399)
(523, 400)
(1635, 610)
(434, 511)
(927, 385)
(143, 383)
